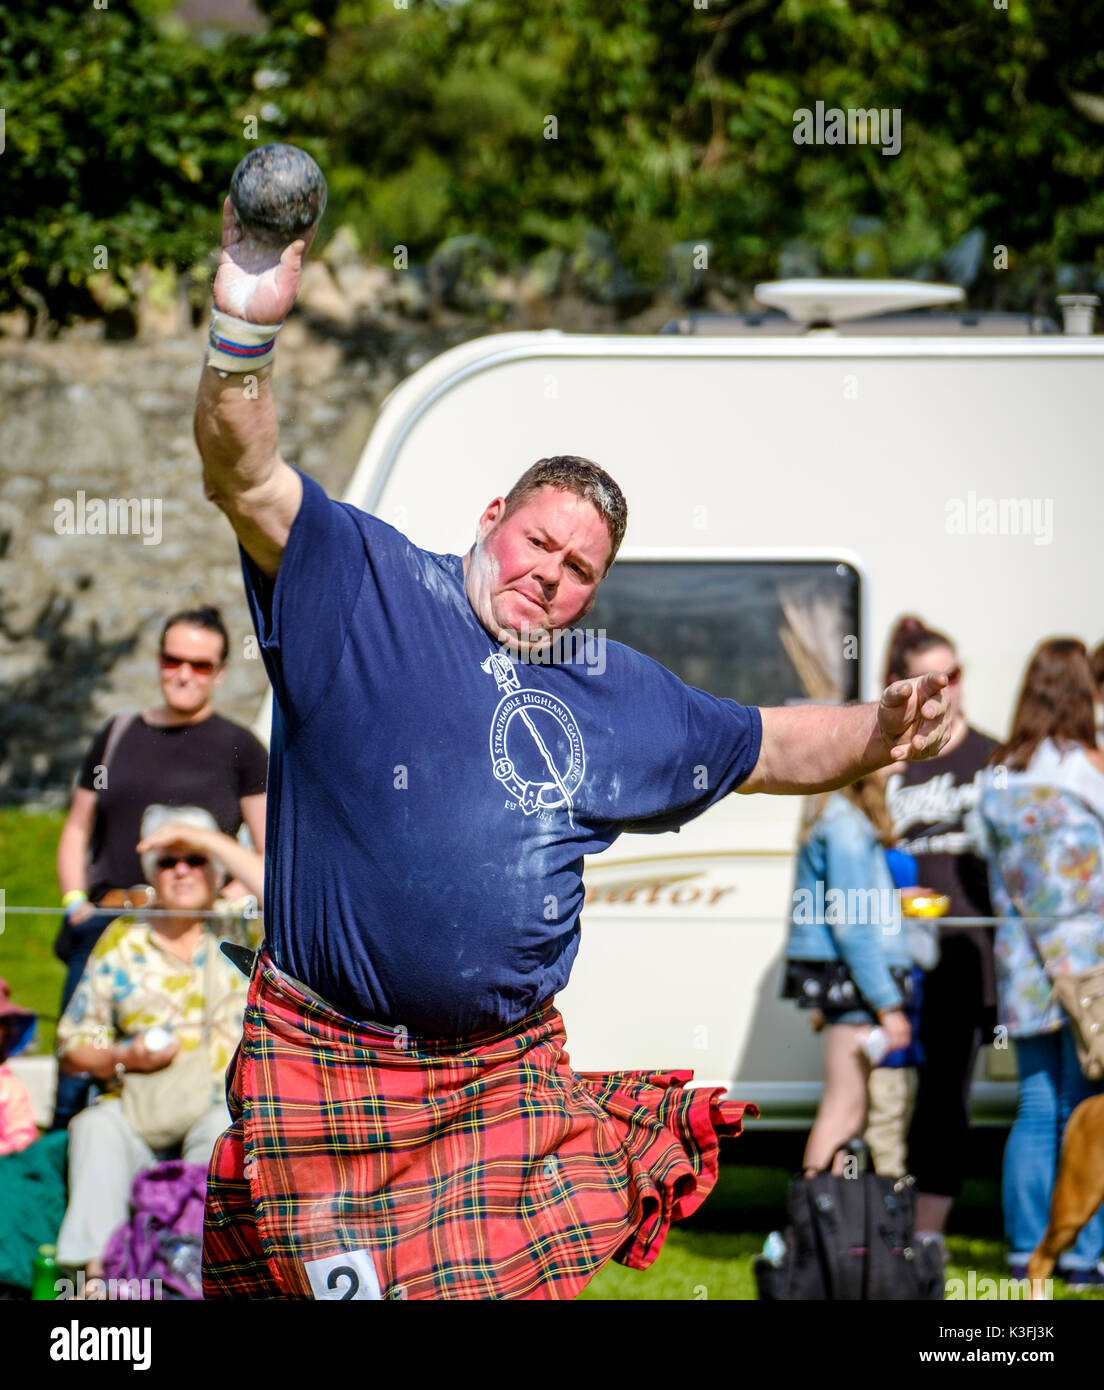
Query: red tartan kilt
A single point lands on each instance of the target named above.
(477, 1168)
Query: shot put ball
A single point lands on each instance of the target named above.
(278, 193)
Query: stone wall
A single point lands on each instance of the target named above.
(80, 614)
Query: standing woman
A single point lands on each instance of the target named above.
(1043, 818)
(1096, 662)
(178, 753)
(928, 803)
(850, 964)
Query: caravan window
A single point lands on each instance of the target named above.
(763, 632)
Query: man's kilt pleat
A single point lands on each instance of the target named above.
(466, 1168)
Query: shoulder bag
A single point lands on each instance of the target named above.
(1082, 997)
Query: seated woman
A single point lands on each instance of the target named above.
(17, 1122)
(163, 828)
(163, 976)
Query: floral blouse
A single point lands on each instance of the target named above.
(132, 982)
(1045, 848)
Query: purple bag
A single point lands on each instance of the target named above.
(164, 1237)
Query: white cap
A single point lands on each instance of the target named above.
(154, 817)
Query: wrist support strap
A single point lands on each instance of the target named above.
(238, 346)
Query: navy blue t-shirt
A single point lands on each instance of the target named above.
(430, 800)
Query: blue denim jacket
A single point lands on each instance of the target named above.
(844, 906)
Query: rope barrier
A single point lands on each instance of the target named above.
(958, 922)
(134, 912)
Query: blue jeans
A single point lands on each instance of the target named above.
(72, 1093)
(1052, 1085)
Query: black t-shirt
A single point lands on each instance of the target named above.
(212, 764)
(928, 802)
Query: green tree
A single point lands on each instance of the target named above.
(675, 121)
(118, 139)
(655, 121)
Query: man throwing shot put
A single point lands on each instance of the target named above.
(406, 1120)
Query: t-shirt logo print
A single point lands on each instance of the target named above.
(536, 748)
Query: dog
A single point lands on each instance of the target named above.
(1079, 1189)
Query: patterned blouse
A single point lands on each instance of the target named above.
(132, 982)
(1046, 872)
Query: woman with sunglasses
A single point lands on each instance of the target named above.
(928, 804)
(152, 994)
(177, 753)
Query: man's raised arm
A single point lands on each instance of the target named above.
(236, 426)
(813, 748)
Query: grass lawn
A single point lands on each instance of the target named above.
(28, 844)
(698, 1264)
(710, 1256)
(707, 1257)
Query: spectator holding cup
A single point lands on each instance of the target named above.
(846, 956)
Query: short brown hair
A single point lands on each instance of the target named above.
(208, 617)
(585, 479)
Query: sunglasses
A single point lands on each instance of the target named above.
(193, 861)
(199, 668)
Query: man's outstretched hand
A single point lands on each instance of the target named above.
(256, 280)
(815, 748)
(913, 717)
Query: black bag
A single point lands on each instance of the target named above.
(851, 1238)
(827, 984)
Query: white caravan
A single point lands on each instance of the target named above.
(790, 493)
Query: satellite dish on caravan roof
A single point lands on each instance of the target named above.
(836, 301)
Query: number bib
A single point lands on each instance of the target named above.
(350, 1275)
